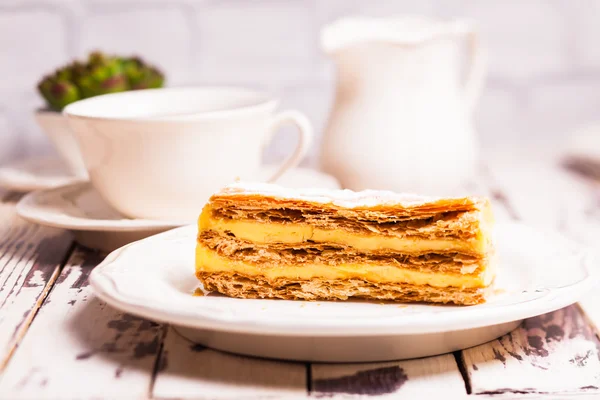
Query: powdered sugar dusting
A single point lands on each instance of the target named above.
(341, 197)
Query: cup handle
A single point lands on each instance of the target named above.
(476, 69)
(305, 138)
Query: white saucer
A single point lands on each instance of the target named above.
(78, 207)
(154, 278)
(36, 174)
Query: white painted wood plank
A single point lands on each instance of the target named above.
(547, 196)
(78, 347)
(190, 371)
(30, 258)
(552, 353)
(432, 377)
(556, 352)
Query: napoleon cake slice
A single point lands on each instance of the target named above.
(266, 241)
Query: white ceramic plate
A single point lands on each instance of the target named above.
(35, 174)
(80, 208)
(154, 278)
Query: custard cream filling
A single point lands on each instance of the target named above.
(209, 261)
(297, 233)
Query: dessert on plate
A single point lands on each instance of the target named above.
(260, 240)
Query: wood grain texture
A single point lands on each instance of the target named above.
(556, 352)
(78, 347)
(432, 377)
(550, 197)
(552, 353)
(191, 371)
(30, 259)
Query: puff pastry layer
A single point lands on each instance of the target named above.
(259, 240)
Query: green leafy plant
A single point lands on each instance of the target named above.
(100, 74)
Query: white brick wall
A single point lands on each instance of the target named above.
(158, 32)
(544, 76)
(526, 38)
(31, 40)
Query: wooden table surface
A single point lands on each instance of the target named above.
(58, 341)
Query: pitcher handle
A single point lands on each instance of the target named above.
(305, 138)
(476, 69)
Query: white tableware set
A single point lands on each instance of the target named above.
(142, 162)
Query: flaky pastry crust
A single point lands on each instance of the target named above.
(257, 287)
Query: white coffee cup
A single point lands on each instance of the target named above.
(56, 127)
(160, 153)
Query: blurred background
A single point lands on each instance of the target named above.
(544, 59)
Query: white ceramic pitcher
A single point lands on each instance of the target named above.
(402, 118)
